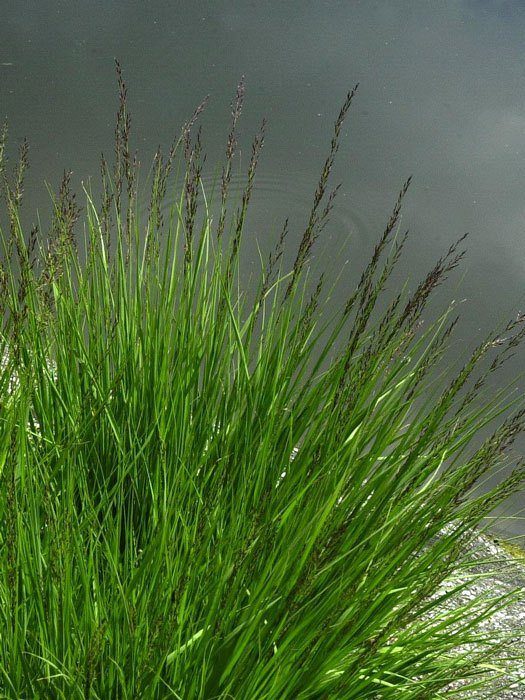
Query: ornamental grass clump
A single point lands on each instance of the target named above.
(208, 497)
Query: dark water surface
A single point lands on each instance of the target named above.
(442, 97)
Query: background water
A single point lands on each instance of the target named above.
(442, 97)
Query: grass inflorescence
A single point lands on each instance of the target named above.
(204, 497)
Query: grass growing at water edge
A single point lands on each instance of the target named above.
(205, 498)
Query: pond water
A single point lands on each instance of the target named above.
(441, 97)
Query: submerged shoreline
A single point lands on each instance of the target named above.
(509, 576)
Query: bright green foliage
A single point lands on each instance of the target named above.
(206, 498)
